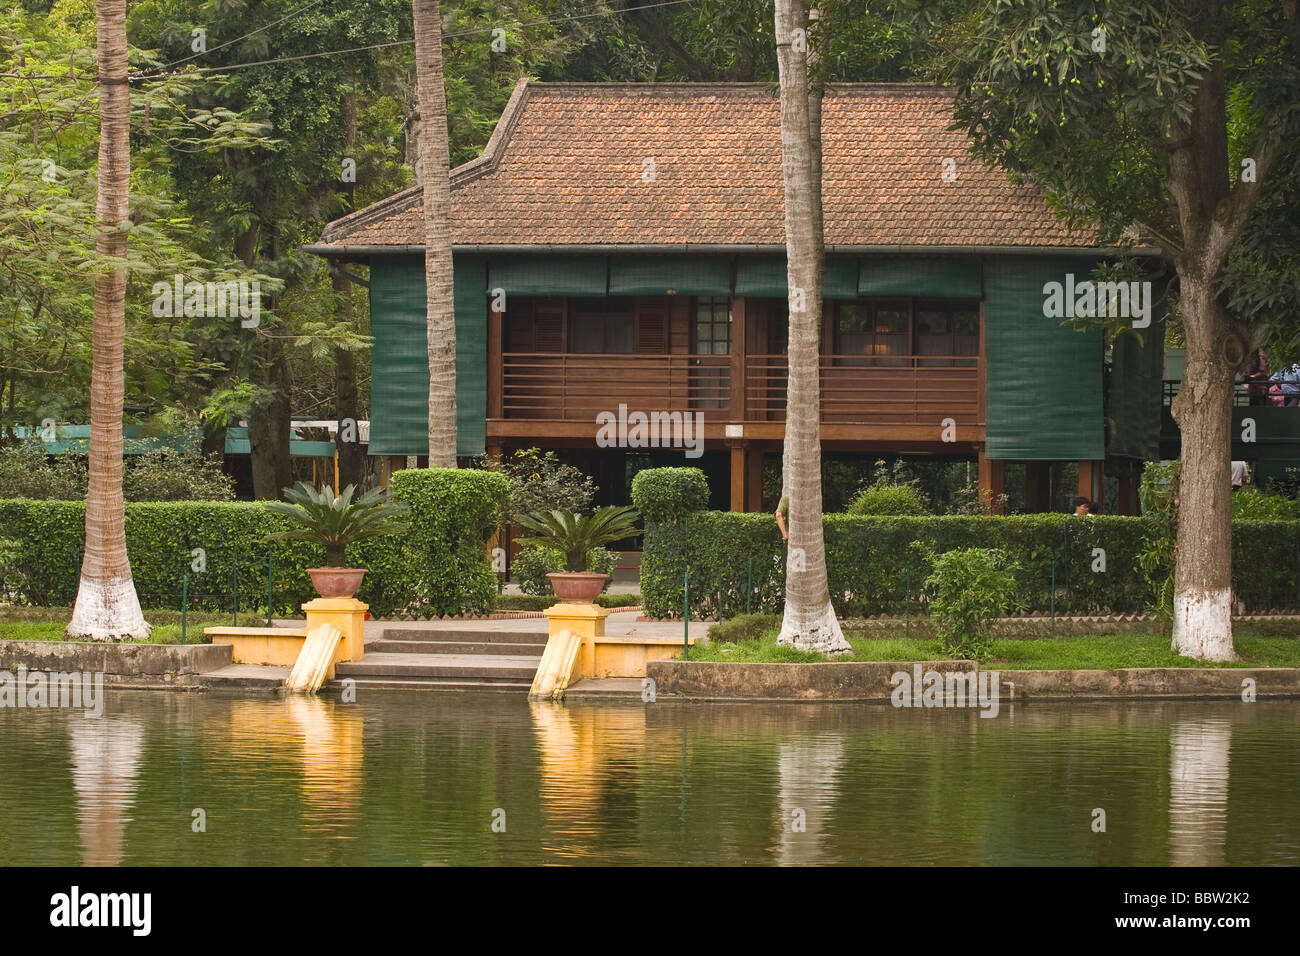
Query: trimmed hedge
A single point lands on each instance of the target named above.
(439, 566)
(872, 568)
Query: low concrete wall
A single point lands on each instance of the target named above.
(124, 661)
(863, 681)
(724, 680)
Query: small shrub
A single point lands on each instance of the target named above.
(26, 472)
(533, 563)
(970, 587)
(667, 495)
(539, 481)
(175, 476)
(743, 627)
(1251, 504)
(889, 500)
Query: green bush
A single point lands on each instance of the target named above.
(26, 472)
(889, 500)
(743, 627)
(439, 566)
(872, 569)
(1251, 504)
(175, 476)
(532, 564)
(969, 588)
(539, 481)
(664, 495)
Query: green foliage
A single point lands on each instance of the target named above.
(175, 476)
(1251, 504)
(665, 495)
(969, 588)
(1158, 495)
(336, 521)
(25, 472)
(888, 500)
(541, 482)
(744, 627)
(532, 564)
(438, 566)
(577, 535)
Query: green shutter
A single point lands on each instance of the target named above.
(765, 277)
(549, 275)
(914, 275)
(670, 275)
(399, 372)
(1043, 388)
(1133, 402)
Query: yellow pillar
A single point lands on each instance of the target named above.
(587, 621)
(349, 616)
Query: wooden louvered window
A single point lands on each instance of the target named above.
(548, 326)
(652, 329)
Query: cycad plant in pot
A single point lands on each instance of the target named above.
(336, 521)
(575, 535)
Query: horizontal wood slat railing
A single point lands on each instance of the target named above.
(916, 390)
(912, 390)
(563, 386)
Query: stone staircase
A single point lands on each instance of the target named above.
(433, 658)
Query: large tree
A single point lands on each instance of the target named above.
(107, 606)
(435, 182)
(809, 622)
(1168, 122)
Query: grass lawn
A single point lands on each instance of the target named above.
(47, 624)
(1089, 652)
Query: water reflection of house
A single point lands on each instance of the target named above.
(624, 244)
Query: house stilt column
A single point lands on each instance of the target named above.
(992, 482)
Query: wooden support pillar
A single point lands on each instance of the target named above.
(754, 481)
(1092, 484)
(992, 481)
(1038, 486)
(1128, 497)
(737, 476)
(495, 362)
(736, 392)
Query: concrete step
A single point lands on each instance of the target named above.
(459, 636)
(386, 646)
(480, 667)
(370, 683)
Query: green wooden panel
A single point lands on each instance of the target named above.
(399, 378)
(670, 275)
(765, 277)
(1044, 380)
(550, 275)
(916, 275)
(1133, 400)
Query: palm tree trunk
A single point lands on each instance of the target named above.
(435, 181)
(809, 622)
(107, 606)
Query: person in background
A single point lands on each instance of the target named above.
(1240, 475)
(783, 515)
(1081, 505)
(1289, 379)
(1256, 375)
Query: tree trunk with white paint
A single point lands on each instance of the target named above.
(809, 622)
(436, 185)
(107, 607)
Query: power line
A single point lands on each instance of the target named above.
(287, 16)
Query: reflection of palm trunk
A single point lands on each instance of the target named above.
(1198, 792)
(105, 759)
(806, 771)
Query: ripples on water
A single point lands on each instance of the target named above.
(423, 779)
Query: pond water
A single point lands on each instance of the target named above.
(427, 779)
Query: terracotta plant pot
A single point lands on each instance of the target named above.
(577, 587)
(336, 582)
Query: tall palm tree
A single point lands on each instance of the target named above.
(107, 607)
(436, 183)
(809, 622)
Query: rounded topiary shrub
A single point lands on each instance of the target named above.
(889, 500)
(665, 495)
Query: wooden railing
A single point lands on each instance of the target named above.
(567, 387)
(910, 390)
(913, 390)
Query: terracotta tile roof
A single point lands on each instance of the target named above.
(567, 165)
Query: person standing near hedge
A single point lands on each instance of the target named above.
(783, 515)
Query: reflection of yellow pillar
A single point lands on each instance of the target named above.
(349, 616)
(587, 621)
